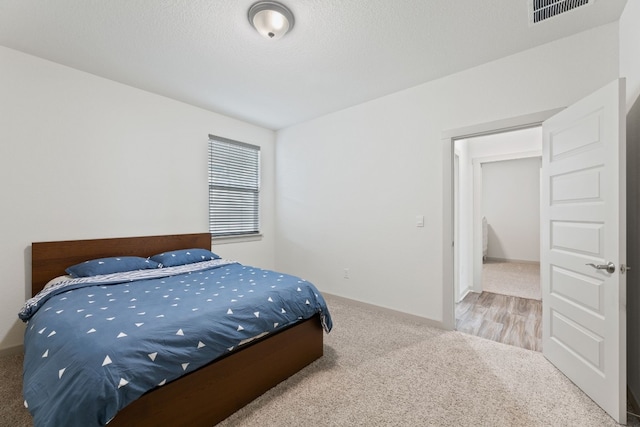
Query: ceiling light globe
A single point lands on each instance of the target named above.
(271, 19)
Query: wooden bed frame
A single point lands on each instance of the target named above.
(215, 391)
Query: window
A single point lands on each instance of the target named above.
(234, 187)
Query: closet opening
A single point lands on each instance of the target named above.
(496, 227)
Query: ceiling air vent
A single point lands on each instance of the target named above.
(545, 9)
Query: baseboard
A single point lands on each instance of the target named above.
(467, 292)
(12, 351)
(400, 314)
(519, 261)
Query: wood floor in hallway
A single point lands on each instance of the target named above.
(502, 318)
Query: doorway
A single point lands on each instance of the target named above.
(449, 248)
(583, 153)
(496, 224)
(496, 218)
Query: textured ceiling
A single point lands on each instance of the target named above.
(340, 52)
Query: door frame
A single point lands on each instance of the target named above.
(456, 226)
(478, 202)
(447, 139)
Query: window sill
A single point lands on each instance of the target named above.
(236, 239)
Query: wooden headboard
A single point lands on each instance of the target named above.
(49, 259)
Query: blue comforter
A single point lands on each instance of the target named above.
(94, 345)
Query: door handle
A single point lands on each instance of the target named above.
(610, 267)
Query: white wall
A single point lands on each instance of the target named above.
(511, 204)
(630, 68)
(630, 50)
(84, 157)
(351, 183)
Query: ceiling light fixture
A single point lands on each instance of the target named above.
(271, 19)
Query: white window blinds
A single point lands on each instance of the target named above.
(234, 187)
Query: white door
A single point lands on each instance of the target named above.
(583, 222)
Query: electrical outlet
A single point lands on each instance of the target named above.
(346, 273)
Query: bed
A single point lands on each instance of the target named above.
(202, 396)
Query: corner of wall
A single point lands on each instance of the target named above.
(633, 249)
(629, 45)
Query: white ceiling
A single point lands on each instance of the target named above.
(340, 52)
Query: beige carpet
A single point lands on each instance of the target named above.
(12, 411)
(385, 370)
(512, 278)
